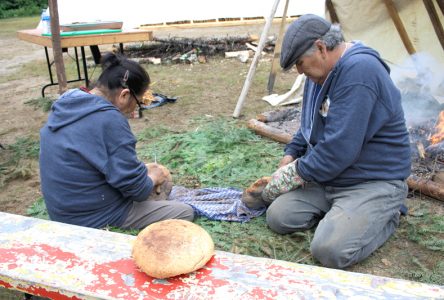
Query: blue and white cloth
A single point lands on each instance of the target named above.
(216, 203)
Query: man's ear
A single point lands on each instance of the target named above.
(321, 47)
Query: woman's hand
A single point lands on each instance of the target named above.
(156, 173)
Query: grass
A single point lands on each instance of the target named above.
(8, 27)
(218, 151)
(17, 161)
(215, 153)
(39, 67)
(42, 103)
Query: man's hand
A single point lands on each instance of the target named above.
(283, 180)
(286, 160)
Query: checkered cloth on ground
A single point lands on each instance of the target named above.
(216, 203)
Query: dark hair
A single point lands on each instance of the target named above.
(116, 67)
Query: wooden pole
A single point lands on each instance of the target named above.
(252, 70)
(399, 26)
(434, 18)
(57, 46)
(441, 5)
(277, 51)
(332, 11)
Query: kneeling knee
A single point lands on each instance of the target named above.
(329, 255)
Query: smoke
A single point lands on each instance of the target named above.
(421, 82)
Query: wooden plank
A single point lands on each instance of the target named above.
(62, 261)
(34, 36)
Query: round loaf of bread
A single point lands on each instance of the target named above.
(172, 247)
(161, 192)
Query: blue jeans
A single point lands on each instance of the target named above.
(353, 221)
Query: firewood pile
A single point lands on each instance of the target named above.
(179, 49)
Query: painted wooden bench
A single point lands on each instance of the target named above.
(61, 261)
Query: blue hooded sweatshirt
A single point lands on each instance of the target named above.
(352, 127)
(89, 169)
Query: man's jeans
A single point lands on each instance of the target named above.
(353, 221)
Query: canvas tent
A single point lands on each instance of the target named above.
(370, 22)
(407, 33)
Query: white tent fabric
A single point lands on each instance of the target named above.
(294, 95)
(134, 13)
(370, 22)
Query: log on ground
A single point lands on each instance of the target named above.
(426, 187)
(268, 131)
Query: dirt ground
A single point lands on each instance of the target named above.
(19, 119)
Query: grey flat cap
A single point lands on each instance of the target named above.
(300, 36)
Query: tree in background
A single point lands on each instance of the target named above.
(21, 8)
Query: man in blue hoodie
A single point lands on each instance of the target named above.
(346, 166)
(90, 174)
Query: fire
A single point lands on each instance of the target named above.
(438, 136)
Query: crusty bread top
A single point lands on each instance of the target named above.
(172, 247)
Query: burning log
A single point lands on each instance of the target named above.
(268, 131)
(435, 150)
(426, 187)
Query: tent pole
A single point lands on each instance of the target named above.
(434, 18)
(57, 46)
(441, 5)
(399, 26)
(332, 11)
(255, 61)
(277, 51)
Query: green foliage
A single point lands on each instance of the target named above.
(38, 209)
(16, 160)
(426, 229)
(21, 8)
(256, 239)
(216, 153)
(423, 274)
(42, 103)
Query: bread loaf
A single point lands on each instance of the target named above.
(172, 247)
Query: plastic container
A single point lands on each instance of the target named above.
(46, 22)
